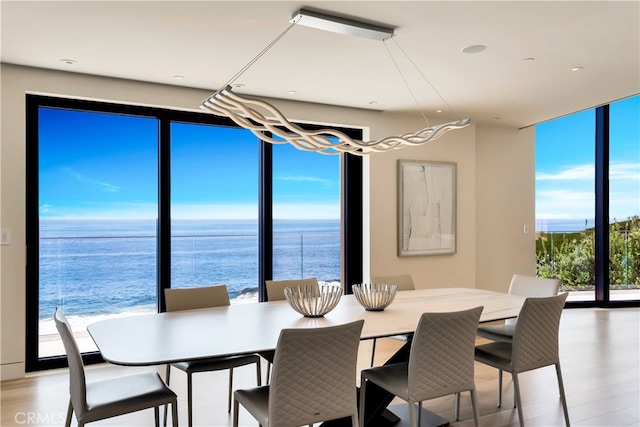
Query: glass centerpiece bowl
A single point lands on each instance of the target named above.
(374, 296)
(313, 301)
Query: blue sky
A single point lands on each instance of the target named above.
(565, 156)
(105, 166)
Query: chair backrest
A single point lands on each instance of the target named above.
(535, 338)
(275, 288)
(404, 282)
(77, 380)
(192, 298)
(442, 355)
(314, 375)
(528, 286)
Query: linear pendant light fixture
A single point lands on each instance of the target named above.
(270, 125)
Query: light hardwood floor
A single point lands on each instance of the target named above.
(600, 355)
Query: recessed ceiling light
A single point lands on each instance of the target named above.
(476, 48)
(292, 92)
(529, 59)
(373, 102)
(438, 111)
(178, 77)
(68, 61)
(238, 85)
(576, 68)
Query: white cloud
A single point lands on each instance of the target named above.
(617, 171)
(301, 178)
(564, 204)
(571, 173)
(630, 171)
(109, 188)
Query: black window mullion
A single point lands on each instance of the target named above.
(163, 236)
(352, 221)
(265, 218)
(32, 292)
(601, 243)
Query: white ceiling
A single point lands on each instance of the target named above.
(207, 42)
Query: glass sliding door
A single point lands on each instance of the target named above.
(214, 209)
(565, 203)
(306, 215)
(97, 210)
(624, 200)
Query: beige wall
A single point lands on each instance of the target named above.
(433, 271)
(505, 188)
(495, 190)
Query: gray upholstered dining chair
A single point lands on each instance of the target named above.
(404, 282)
(205, 297)
(98, 400)
(275, 292)
(526, 286)
(314, 379)
(275, 288)
(440, 363)
(534, 345)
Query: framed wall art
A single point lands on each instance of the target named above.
(426, 208)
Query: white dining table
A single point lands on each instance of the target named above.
(161, 338)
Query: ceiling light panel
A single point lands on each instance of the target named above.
(341, 25)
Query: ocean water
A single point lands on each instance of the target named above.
(563, 225)
(107, 268)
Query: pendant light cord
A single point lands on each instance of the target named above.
(421, 74)
(258, 56)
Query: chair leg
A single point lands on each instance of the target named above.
(67, 423)
(413, 417)
(354, 420)
(236, 410)
(363, 389)
(456, 406)
(499, 388)
(167, 377)
(156, 413)
(474, 406)
(230, 389)
(174, 413)
(373, 350)
(419, 413)
(563, 397)
(259, 373)
(518, 403)
(189, 400)
(268, 373)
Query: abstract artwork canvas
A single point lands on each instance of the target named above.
(426, 208)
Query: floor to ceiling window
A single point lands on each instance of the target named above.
(587, 202)
(97, 185)
(306, 215)
(214, 208)
(124, 202)
(624, 199)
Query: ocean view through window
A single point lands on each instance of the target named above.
(124, 202)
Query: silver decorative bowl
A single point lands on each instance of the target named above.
(374, 296)
(313, 301)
